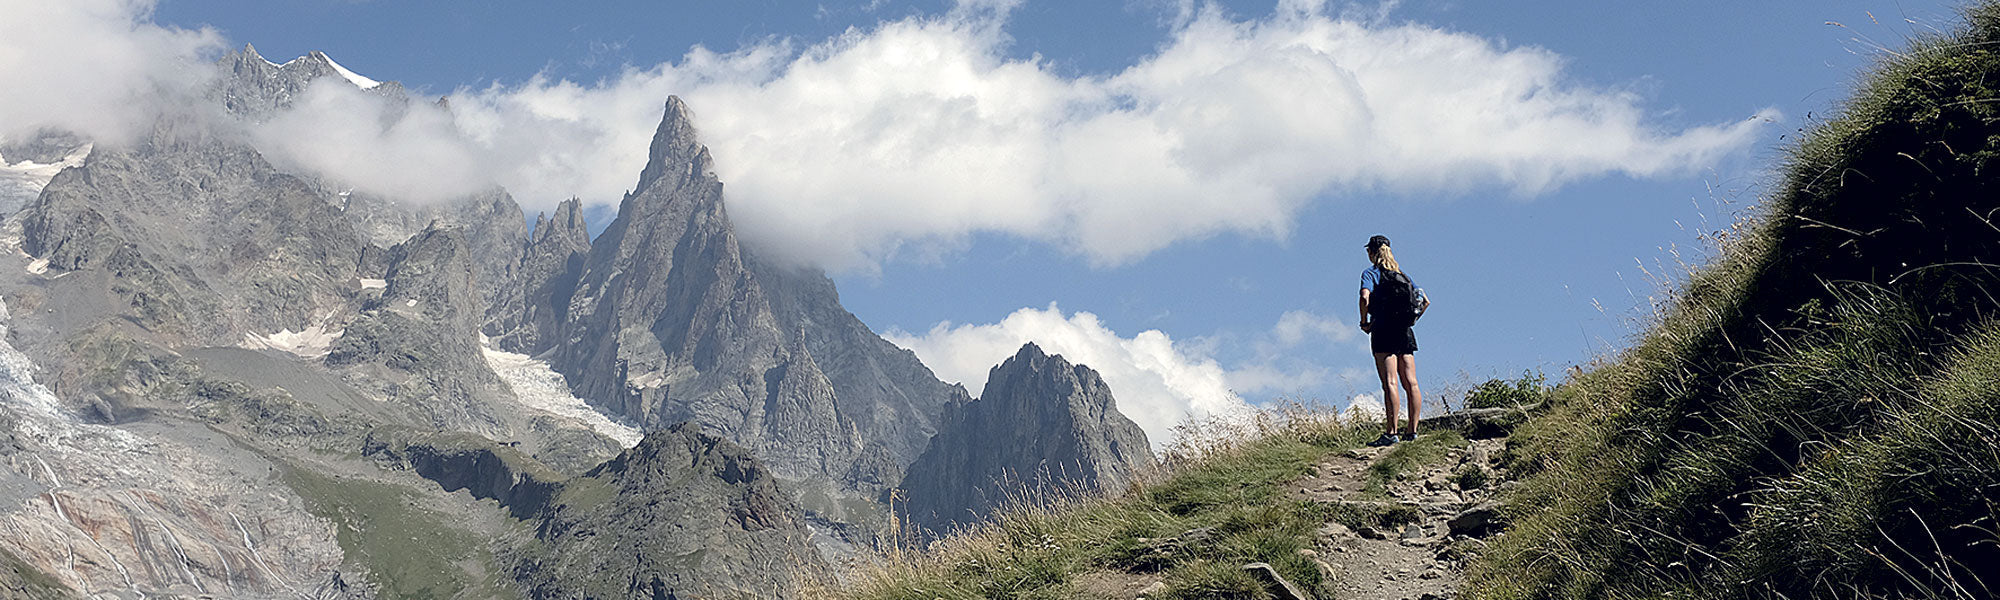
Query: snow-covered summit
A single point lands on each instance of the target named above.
(355, 78)
(316, 56)
(255, 87)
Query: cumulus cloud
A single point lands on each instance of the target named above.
(1159, 382)
(921, 132)
(908, 137)
(905, 138)
(1299, 326)
(95, 67)
(411, 151)
(1364, 408)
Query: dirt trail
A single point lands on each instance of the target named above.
(1421, 560)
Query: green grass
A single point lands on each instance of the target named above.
(1197, 528)
(1409, 457)
(1470, 477)
(1529, 390)
(407, 550)
(1814, 414)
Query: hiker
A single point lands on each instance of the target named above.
(1390, 306)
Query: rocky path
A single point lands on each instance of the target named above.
(1420, 560)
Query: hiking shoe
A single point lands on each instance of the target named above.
(1409, 436)
(1386, 439)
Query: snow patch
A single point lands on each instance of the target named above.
(47, 420)
(40, 266)
(646, 381)
(22, 181)
(313, 342)
(352, 77)
(541, 388)
(374, 284)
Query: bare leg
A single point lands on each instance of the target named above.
(1385, 368)
(1406, 370)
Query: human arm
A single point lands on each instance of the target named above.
(1364, 310)
(1369, 277)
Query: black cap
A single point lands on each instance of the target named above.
(1378, 241)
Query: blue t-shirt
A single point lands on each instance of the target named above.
(1373, 274)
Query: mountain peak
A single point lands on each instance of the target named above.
(567, 223)
(352, 77)
(1042, 425)
(676, 148)
(254, 87)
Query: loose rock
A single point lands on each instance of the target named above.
(1477, 521)
(1277, 584)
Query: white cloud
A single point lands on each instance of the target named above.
(336, 129)
(1298, 326)
(1157, 380)
(903, 139)
(95, 67)
(917, 133)
(1282, 360)
(1363, 408)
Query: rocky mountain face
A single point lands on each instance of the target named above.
(529, 316)
(1042, 427)
(204, 238)
(205, 342)
(224, 379)
(253, 88)
(489, 221)
(683, 514)
(671, 319)
(28, 162)
(92, 508)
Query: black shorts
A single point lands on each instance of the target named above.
(1393, 340)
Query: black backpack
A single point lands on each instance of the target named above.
(1394, 301)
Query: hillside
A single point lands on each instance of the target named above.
(1815, 415)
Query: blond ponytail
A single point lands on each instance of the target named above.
(1385, 260)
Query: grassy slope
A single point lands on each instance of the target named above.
(408, 551)
(1815, 417)
(1235, 492)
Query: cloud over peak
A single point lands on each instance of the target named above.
(909, 137)
(904, 139)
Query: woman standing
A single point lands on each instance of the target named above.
(1390, 307)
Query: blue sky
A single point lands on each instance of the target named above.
(1539, 257)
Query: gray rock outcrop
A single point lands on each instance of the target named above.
(683, 514)
(529, 316)
(202, 238)
(1042, 428)
(417, 343)
(490, 221)
(254, 88)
